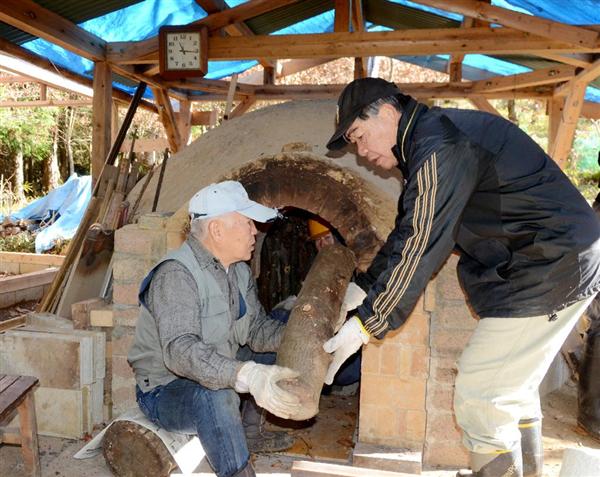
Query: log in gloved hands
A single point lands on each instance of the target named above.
(261, 380)
(345, 343)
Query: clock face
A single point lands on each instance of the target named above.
(183, 50)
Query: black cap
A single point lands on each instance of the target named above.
(354, 98)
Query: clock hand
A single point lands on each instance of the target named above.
(182, 49)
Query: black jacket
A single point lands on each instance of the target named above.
(529, 243)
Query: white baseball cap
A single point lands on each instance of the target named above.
(228, 196)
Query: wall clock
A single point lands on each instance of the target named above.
(183, 51)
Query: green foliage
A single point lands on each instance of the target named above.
(23, 242)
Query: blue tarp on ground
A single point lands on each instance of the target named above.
(125, 25)
(65, 205)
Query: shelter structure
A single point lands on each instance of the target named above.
(503, 49)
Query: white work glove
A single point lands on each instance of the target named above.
(354, 296)
(260, 380)
(345, 343)
(287, 304)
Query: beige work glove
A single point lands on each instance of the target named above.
(345, 343)
(260, 380)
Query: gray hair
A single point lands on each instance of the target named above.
(199, 228)
(373, 108)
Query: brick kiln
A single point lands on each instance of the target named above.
(278, 153)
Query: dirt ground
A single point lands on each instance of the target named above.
(560, 432)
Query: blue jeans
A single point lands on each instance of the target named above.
(214, 416)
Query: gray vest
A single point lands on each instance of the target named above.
(219, 324)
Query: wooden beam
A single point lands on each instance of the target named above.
(101, 117)
(581, 60)
(13, 78)
(243, 106)
(36, 20)
(145, 145)
(294, 66)
(237, 29)
(573, 35)
(167, 116)
(390, 43)
(554, 107)
(568, 124)
(555, 74)
(146, 51)
(28, 280)
(582, 77)
(48, 103)
(184, 121)
(49, 67)
(590, 110)
(483, 104)
(341, 21)
(204, 118)
(455, 63)
(210, 86)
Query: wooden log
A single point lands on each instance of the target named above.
(314, 319)
(131, 450)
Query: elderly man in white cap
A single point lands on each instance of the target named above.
(198, 306)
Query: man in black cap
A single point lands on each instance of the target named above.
(530, 257)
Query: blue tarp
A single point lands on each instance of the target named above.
(65, 205)
(142, 20)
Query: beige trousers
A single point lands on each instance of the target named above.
(499, 374)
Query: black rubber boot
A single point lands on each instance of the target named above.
(588, 416)
(531, 447)
(260, 440)
(247, 471)
(508, 464)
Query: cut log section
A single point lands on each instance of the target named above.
(314, 319)
(131, 450)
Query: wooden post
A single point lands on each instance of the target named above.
(101, 117)
(184, 121)
(314, 319)
(568, 123)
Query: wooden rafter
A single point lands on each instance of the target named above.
(237, 29)
(391, 43)
(565, 131)
(573, 35)
(211, 86)
(243, 106)
(48, 103)
(553, 75)
(581, 60)
(168, 118)
(36, 20)
(146, 51)
(482, 104)
(455, 64)
(582, 77)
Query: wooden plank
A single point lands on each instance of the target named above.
(483, 104)
(581, 60)
(574, 35)
(204, 118)
(584, 76)
(184, 121)
(552, 75)
(242, 107)
(101, 117)
(167, 116)
(49, 103)
(147, 50)
(145, 145)
(391, 43)
(12, 323)
(342, 15)
(36, 258)
(305, 468)
(28, 280)
(568, 124)
(36, 20)
(211, 86)
(47, 65)
(554, 108)
(230, 95)
(29, 437)
(13, 390)
(590, 110)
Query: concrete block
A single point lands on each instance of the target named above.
(580, 461)
(126, 315)
(154, 221)
(101, 317)
(386, 458)
(46, 321)
(125, 293)
(61, 412)
(80, 311)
